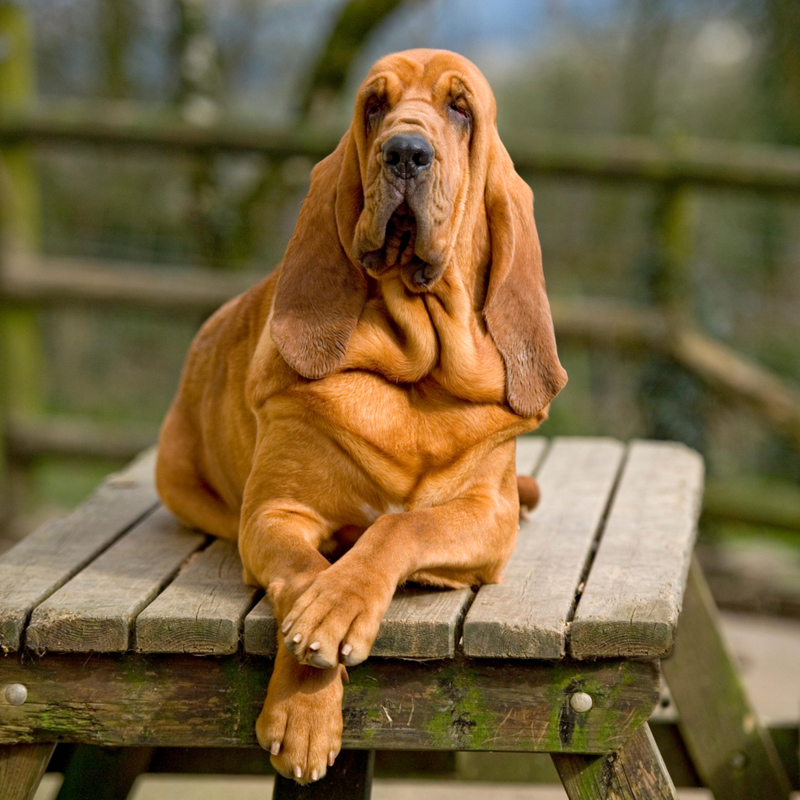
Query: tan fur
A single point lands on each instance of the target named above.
(365, 398)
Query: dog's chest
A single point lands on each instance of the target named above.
(415, 428)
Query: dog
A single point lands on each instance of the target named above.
(351, 420)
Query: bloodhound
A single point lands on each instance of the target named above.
(363, 401)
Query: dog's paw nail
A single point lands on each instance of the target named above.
(297, 638)
(314, 646)
(331, 758)
(298, 772)
(347, 649)
(314, 774)
(276, 748)
(286, 625)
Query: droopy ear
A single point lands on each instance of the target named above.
(320, 292)
(516, 310)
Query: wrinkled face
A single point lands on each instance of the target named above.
(414, 124)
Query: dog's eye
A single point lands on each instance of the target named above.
(373, 109)
(460, 110)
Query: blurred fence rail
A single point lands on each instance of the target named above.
(604, 158)
(667, 328)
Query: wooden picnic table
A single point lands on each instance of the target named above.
(104, 616)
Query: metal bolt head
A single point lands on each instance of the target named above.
(16, 694)
(739, 760)
(581, 702)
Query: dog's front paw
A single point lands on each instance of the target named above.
(301, 722)
(337, 618)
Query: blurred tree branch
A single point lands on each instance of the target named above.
(356, 21)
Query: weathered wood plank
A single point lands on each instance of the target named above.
(633, 593)
(422, 623)
(530, 450)
(419, 623)
(528, 614)
(261, 630)
(731, 751)
(450, 704)
(202, 610)
(22, 767)
(95, 611)
(44, 561)
(636, 772)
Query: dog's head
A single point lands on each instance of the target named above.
(416, 119)
(419, 184)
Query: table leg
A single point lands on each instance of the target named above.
(732, 753)
(635, 772)
(350, 778)
(103, 773)
(22, 767)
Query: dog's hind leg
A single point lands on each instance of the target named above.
(184, 491)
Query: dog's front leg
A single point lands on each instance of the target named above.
(464, 542)
(301, 722)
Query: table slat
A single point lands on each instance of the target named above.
(448, 704)
(261, 630)
(96, 609)
(422, 623)
(44, 561)
(527, 615)
(635, 588)
(202, 610)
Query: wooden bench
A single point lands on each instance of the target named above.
(103, 615)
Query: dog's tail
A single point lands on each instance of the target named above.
(528, 494)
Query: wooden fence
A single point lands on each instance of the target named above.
(29, 281)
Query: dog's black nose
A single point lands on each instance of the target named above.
(407, 154)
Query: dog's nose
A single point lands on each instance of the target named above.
(407, 154)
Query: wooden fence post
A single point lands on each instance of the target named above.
(671, 397)
(22, 354)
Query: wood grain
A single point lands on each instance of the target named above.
(527, 616)
(261, 630)
(21, 769)
(95, 611)
(422, 623)
(202, 610)
(731, 751)
(450, 704)
(636, 772)
(633, 593)
(48, 558)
